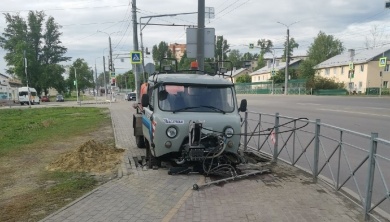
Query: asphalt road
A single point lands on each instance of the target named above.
(360, 114)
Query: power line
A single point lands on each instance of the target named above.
(59, 9)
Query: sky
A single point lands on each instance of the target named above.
(86, 24)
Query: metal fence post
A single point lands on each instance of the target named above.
(276, 135)
(316, 149)
(246, 131)
(370, 179)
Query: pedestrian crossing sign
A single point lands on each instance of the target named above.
(136, 57)
(382, 62)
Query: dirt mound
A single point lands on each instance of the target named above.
(91, 157)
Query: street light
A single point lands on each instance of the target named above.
(96, 83)
(77, 91)
(287, 55)
(110, 66)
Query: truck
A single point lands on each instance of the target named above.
(27, 94)
(189, 118)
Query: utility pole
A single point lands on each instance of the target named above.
(110, 67)
(351, 54)
(96, 84)
(77, 91)
(135, 44)
(200, 34)
(287, 62)
(25, 70)
(104, 76)
(287, 56)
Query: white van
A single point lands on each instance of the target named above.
(23, 96)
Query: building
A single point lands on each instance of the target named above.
(239, 72)
(178, 50)
(264, 74)
(8, 88)
(366, 69)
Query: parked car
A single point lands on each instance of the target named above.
(131, 96)
(45, 99)
(59, 98)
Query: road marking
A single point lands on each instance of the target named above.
(343, 111)
(313, 104)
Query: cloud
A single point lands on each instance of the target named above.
(240, 21)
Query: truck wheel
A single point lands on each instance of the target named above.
(140, 141)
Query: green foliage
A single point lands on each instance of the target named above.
(41, 46)
(280, 75)
(23, 127)
(319, 82)
(221, 47)
(265, 46)
(323, 48)
(235, 58)
(185, 62)
(161, 51)
(84, 75)
(306, 70)
(291, 46)
(246, 78)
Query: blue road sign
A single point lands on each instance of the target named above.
(136, 57)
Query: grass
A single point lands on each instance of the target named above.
(30, 140)
(20, 128)
(33, 206)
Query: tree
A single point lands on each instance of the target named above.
(41, 47)
(280, 75)
(246, 78)
(221, 48)
(235, 59)
(161, 51)
(265, 46)
(185, 62)
(323, 48)
(291, 46)
(375, 37)
(84, 75)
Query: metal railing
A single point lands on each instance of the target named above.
(355, 164)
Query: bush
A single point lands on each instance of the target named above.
(319, 82)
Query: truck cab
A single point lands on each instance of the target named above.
(188, 117)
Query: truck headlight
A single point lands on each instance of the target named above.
(228, 132)
(171, 132)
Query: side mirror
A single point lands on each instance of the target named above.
(145, 100)
(243, 105)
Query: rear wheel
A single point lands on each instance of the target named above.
(140, 140)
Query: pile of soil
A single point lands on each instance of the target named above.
(92, 156)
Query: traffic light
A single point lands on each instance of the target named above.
(113, 82)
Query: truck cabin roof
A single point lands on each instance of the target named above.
(191, 79)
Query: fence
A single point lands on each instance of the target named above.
(294, 87)
(355, 164)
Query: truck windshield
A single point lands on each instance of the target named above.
(196, 98)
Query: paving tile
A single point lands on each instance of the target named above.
(153, 195)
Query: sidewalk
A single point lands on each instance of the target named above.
(152, 195)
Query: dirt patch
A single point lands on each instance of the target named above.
(27, 188)
(92, 157)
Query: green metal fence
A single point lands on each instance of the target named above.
(295, 87)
